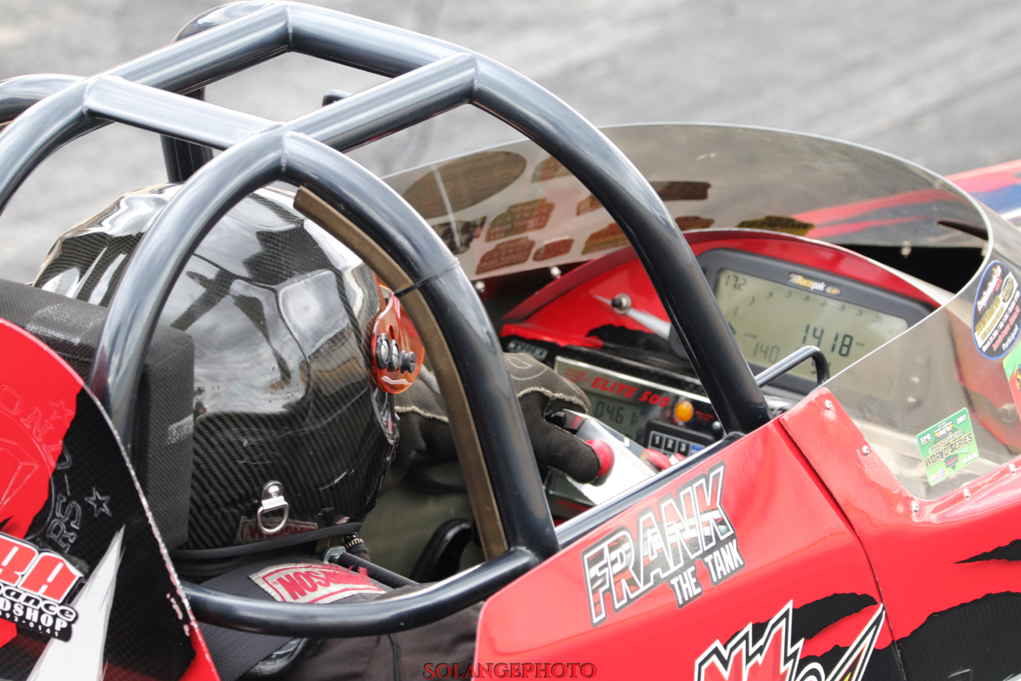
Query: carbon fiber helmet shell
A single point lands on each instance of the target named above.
(278, 312)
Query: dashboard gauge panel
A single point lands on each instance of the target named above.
(603, 327)
(775, 307)
(671, 421)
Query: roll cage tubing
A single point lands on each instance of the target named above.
(429, 77)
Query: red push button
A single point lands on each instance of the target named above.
(657, 459)
(604, 451)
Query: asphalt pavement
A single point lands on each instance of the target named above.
(935, 82)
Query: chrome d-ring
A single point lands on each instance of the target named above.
(272, 500)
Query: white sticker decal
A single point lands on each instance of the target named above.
(312, 583)
(640, 555)
(773, 655)
(33, 587)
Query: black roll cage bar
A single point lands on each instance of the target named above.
(429, 77)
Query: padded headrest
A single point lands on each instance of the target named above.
(162, 437)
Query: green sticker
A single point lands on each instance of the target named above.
(947, 447)
(1011, 364)
(1012, 369)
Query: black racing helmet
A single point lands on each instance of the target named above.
(290, 431)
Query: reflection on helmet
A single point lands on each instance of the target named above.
(279, 313)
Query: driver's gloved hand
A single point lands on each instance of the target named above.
(541, 392)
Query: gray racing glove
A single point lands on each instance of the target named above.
(424, 426)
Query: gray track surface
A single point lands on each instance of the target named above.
(936, 82)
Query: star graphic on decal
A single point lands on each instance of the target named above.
(98, 502)
(61, 412)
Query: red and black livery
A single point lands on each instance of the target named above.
(803, 527)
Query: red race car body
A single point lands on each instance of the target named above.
(766, 518)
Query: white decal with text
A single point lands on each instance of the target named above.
(691, 526)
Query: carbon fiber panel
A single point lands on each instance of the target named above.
(162, 441)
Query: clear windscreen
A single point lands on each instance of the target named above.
(938, 402)
(515, 208)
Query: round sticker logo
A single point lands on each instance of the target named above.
(997, 314)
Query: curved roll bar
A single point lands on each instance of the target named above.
(390, 222)
(231, 38)
(429, 77)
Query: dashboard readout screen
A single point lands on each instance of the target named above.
(619, 415)
(771, 320)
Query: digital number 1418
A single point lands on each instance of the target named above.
(841, 342)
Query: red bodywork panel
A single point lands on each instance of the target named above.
(999, 187)
(37, 404)
(795, 546)
(76, 538)
(941, 556)
(949, 569)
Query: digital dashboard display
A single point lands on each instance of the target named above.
(619, 415)
(771, 320)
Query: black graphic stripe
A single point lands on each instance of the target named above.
(1011, 551)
